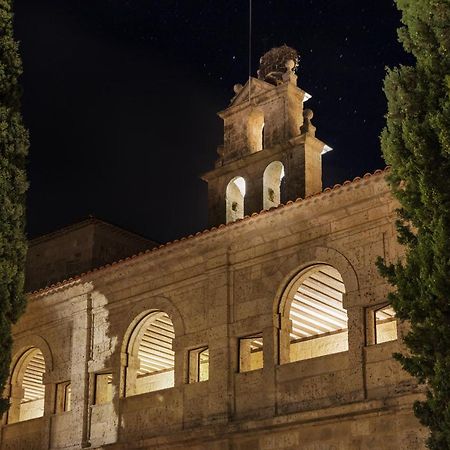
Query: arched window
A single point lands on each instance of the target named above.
(150, 355)
(255, 131)
(27, 388)
(318, 320)
(235, 195)
(272, 177)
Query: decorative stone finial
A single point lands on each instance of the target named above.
(237, 88)
(290, 75)
(290, 65)
(308, 114)
(307, 126)
(278, 65)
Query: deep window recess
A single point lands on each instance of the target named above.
(63, 397)
(103, 388)
(385, 324)
(251, 352)
(199, 365)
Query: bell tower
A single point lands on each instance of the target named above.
(270, 153)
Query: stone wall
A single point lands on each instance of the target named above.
(78, 248)
(218, 287)
(281, 110)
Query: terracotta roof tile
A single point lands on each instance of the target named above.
(72, 280)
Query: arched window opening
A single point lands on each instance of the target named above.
(319, 321)
(273, 175)
(28, 389)
(151, 360)
(235, 195)
(255, 131)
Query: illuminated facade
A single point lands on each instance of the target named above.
(269, 331)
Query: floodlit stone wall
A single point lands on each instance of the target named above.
(271, 121)
(320, 346)
(218, 287)
(78, 248)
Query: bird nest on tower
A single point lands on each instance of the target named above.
(272, 64)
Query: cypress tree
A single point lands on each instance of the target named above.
(416, 143)
(13, 185)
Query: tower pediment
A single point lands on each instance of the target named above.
(252, 88)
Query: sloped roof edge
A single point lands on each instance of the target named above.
(76, 279)
(84, 222)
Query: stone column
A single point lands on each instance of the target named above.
(16, 395)
(370, 328)
(221, 377)
(253, 200)
(270, 348)
(50, 394)
(81, 354)
(356, 343)
(222, 349)
(49, 407)
(284, 339)
(130, 371)
(179, 369)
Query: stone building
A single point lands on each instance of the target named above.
(268, 331)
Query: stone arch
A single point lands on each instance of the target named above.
(145, 306)
(235, 199)
(272, 177)
(144, 320)
(293, 272)
(255, 130)
(32, 360)
(305, 258)
(25, 343)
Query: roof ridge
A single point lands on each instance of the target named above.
(83, 222)
(327, 190)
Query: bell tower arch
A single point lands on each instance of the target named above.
(266, 123)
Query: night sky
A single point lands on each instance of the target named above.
(120, 97)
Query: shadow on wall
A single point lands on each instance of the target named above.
(147, 393)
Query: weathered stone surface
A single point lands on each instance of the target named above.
(219, 288)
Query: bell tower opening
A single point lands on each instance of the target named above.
(272, 178)
(235, 199)
(268, 138)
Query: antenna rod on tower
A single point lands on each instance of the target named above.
(249, 50)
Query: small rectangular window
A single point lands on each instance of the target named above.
(251, 353)
(103, 388)
(63, 397)
(385, 324)
(199, 365)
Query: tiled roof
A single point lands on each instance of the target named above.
(74, 280)
(91, 220)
